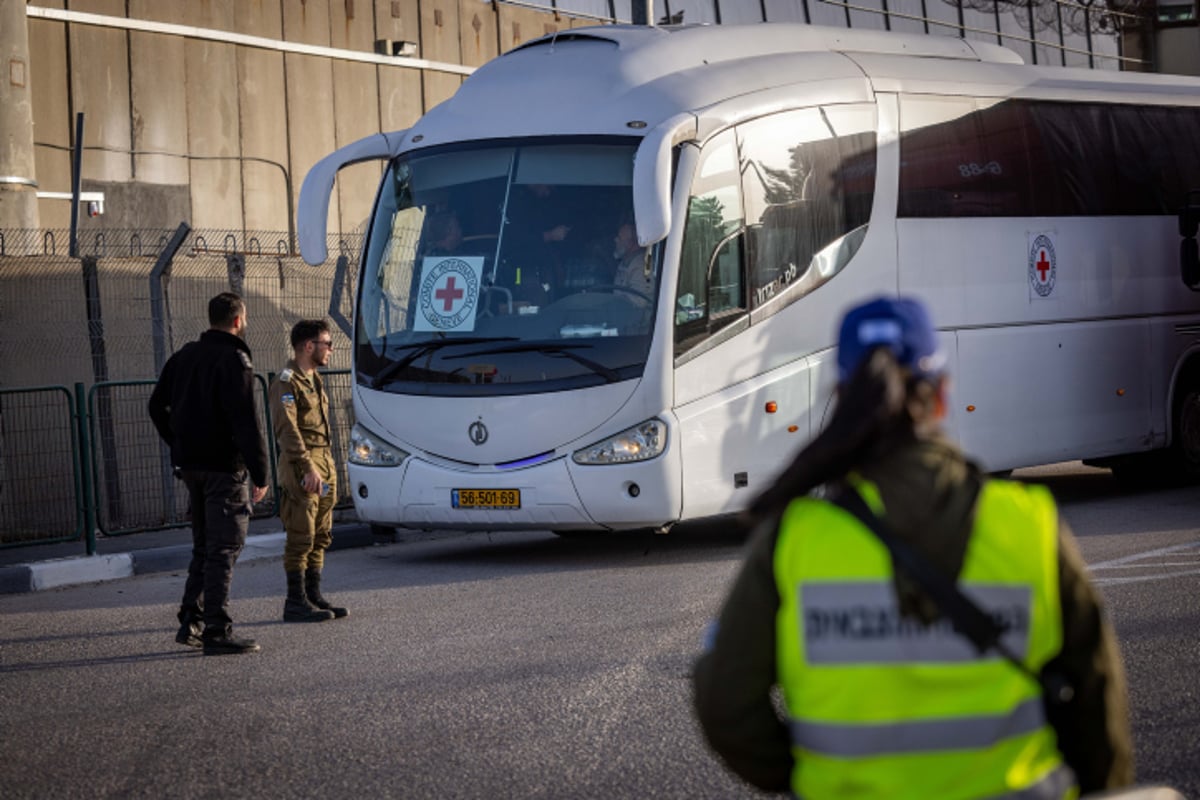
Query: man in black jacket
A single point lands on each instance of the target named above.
(203, 407)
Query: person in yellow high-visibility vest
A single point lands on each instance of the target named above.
(881, 695)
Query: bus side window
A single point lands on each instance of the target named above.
(808, 179)
(712, 286)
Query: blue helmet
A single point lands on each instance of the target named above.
(900, 324)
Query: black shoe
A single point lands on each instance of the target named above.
(191, 625)
(189, 634)
(297, 611)
(312, 590)
(337, 611)
(228, 644)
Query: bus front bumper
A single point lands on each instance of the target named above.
(555, 495)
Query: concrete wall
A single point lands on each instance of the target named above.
(266, 184)
(235, 128)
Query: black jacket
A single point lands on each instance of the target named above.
(203, 407)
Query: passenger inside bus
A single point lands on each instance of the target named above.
(445, 234)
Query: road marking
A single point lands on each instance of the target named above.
(1142, 578)
(1144, 561)
(1158, 564)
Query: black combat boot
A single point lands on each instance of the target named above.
(191, 626)
(221, 641)
(312, 587)
(297, 608)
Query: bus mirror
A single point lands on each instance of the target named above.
(1189, 262)
(652, 177)
(1189, 215)
(318, 184)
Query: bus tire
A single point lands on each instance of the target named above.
(1186, 443)
(576, 534)
(382, 534)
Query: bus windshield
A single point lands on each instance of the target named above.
(504, 268)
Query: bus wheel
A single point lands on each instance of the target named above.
(383, 534)
(1187, 435)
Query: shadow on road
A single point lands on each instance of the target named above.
(77, 663)
(709, 540)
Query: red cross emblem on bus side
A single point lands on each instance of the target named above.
(448, 294)
(1043, 266)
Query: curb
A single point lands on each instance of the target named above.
(59, 572)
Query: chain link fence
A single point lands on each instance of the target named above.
(108, 319)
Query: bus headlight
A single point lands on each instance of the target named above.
(369, 450)
(639, 443)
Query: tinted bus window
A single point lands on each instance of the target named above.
(970, 158)
(808, 179)
(711, 292)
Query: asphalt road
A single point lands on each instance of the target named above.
(492, 666)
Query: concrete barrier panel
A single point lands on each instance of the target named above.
(479, 41)
(160, 107)
(440, 41)
(309, 92)
(401, 100)
(52, 122)
(356, 100)
(266, 180)
(100, 90)
(213, 121)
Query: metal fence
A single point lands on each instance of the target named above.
(108, 319)
(114, 474)
(40, 494)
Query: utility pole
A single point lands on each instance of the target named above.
(18, 185)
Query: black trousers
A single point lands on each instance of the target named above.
(220, 518)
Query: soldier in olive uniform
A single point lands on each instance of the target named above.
(300, 413)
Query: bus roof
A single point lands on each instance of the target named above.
(625, 80)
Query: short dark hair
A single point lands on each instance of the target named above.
(224, 309)
(307, 329)
(439, 225)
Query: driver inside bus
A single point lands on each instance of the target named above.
(631, 262)
(445, 234)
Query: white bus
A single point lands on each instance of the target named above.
(518, 364)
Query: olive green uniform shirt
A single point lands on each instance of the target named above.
(300, 414)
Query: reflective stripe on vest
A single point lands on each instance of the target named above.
(917, 736)
(882, 705)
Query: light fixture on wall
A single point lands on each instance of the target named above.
(395, 47)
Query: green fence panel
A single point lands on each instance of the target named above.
(134, 487)
(132, 484)
(41, 495)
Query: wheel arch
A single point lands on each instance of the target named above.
(1186, 374)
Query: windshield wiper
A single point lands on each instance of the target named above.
(609, 374)
(424, 348)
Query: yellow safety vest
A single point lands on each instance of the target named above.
(882, 706)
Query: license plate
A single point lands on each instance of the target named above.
(503, 499)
